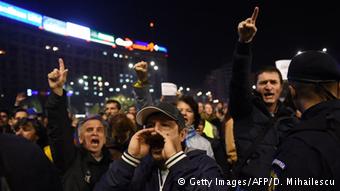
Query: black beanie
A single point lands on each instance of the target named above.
(313, 67)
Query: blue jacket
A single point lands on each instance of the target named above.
(193, 166)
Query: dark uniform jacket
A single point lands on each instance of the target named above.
(24, 166)
(309, 159)
(80, 171)
(251, 118)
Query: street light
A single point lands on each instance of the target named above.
(80, 81)
(155, 68)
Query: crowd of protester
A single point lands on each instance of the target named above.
(154, 146)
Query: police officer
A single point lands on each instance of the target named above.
(308, 159)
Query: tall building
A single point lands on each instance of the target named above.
(217, 82)
(100, 65)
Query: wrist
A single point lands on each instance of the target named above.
(140, 83)
(58, 91)
(130, 159)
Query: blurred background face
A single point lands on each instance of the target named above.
(92, 136)
(208, 109)
(28, 132)
(200, 107)
(111, 109)
(132, 110)
(3, 118)
(19, 115)
(269, 87)
(187, 113)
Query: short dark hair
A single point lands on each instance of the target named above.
(39, 128)
(5, 111)
(19, 110)
(312, 90)
(194, 106)
(269, 69)
(120, 124)
(114, 101)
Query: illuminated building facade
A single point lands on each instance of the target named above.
(100, 64)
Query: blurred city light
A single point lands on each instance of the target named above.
(55, 48)
(80, 81)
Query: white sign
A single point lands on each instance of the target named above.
(283, 66)
(169, 89)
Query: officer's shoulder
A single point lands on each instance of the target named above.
(293, 151)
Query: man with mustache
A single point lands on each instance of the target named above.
(157, 159)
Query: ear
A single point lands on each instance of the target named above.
(36, 137)
(183, 134)
(81, 138)
(292, 91)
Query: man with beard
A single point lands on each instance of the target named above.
(82, 166)
(157, 159)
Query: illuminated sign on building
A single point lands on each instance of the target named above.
(77, 31)
(160, 48)
(126, 43)
(102, 38)
(143, 46)
(20, 14)
(72, 29)
(54, 25)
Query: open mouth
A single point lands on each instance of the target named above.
(156, 142)
(95, 142)
(268, 95)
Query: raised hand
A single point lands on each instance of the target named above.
(19, 98)
(138, 147)
(141, 69)
(57, 78)
(247, 28)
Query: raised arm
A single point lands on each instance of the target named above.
(240, 86)
(141, 87)
(59, 127)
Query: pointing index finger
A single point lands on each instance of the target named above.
(61, 64)
(255, 14)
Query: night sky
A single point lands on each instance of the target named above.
(200, 35)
